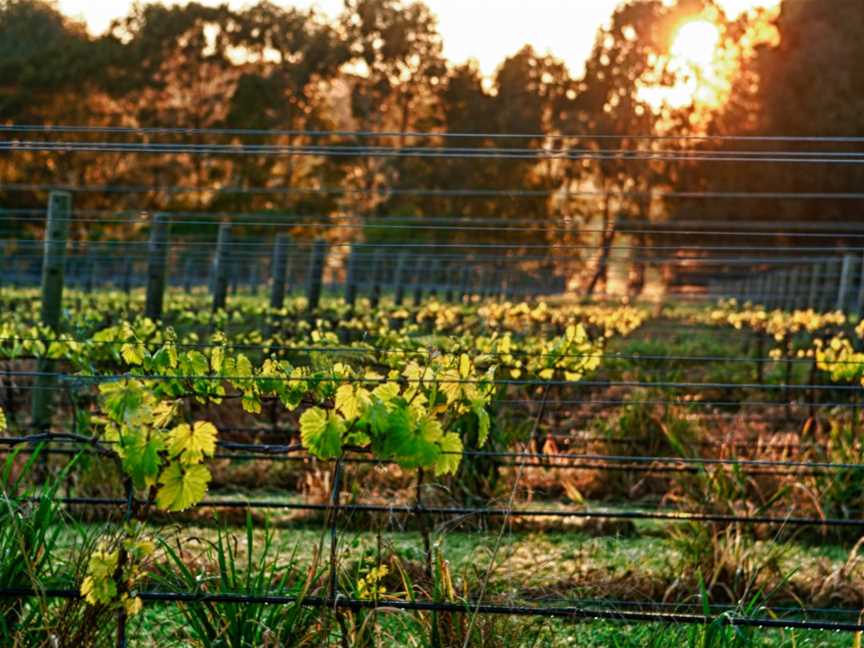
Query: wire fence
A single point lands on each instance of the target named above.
(464, 259)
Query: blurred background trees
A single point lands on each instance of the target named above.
(379, 66)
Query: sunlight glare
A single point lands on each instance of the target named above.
(695, 44)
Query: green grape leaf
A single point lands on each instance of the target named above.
(251, 403)
(395, 437)
(450, 385)
(451, 454)
(351, 401)
(123, 400)
(321, 433)
(243, 367)
(165, 358)
(192, 443)
(182, 486)
(378, 418)
(483, 422)
(57, 349)
(464, 366)
(386, 392)
(98, 585)
(430, 429)
(140, 453)
(217, 359)
(133, 354)
(193, 363)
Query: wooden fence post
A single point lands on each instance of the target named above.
(187, 276)
(832, 268)
(434, 275)
(450, 281)
(794, 292)
(399, 280)
(815, 276)
(53, 261)
(156, 266)
(464, 282)
(351, 278)
(377, 266)
(845, 286)
(279, 272)
(254, 277)
(418, 284)
(316, 274)
(859, 300)
(221, 265)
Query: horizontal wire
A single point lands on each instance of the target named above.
(409, 191)
(366, 249)
(546, 465)
(581, 461)
(97, 378)
(481, 153)
(619, 230)
(167, 130)
(409, 251)
(391, 509)
(560, 403)
(424, 351)
(581, 613)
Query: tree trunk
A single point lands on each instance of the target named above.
(606, 247)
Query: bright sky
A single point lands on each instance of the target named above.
(487, 30)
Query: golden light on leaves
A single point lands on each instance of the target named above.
(698, 64)
(703, 61)
(695, 44)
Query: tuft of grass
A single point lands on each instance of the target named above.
(231, 566)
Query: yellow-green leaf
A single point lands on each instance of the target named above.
(321, 433)
(451, 454)
(98, 585)
(464, 366)
(132, 353)
(483, 423)
(182, 486)
(386, 392)
(217, 358)
(192, 443)
(243, 366)
(347, 402)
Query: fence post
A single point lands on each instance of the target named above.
(351, 278)
(254, 278)
(156, 266)
(793, 290)
(418, 285)
(831, 275)
(221, 265)
(814, 286)
(859, 300)
(88, 268)
(845, 282)
(377, 265)
(316, 274)
(187, 276)
(464, 283)
(782, 288)
(53, 261)
(280, 267)
(450, 275)
(399, 280)
(434, 275)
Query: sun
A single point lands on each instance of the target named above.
(695, 44)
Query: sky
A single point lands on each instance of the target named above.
(486, 30)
